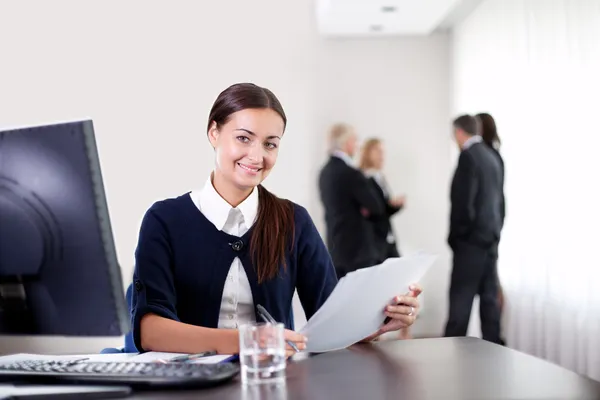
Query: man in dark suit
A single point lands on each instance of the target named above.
(476, 220)
(349, 200)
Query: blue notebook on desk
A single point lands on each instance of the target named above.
(233, 358)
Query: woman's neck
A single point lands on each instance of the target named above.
(230, 193)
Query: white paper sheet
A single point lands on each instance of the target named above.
(355, 308)
(150, 356)
(29, 357)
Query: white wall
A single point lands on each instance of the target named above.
(534, 66)
(147, 73)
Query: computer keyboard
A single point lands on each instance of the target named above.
(135, 374)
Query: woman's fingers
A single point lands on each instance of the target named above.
(289, 351)
(300, 345)
(415, 289)
(406, 310)
(406, 301)
(403, 319)
(293, 336)
(403, 312)
(296, 338)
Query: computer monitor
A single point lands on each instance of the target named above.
(58, 267)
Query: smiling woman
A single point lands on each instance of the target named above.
(245, 128)
(207, 259)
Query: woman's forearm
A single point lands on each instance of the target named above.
(165, 335)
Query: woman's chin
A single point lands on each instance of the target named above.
(248, 181)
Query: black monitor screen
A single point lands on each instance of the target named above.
(58, 267)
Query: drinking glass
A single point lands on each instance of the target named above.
(262, 353)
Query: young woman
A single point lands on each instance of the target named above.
(206, 259)
(489, 134)
(371, 163)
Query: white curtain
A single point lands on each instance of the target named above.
(535, 66)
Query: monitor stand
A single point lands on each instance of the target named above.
(15, 314)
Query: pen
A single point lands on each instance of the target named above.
(189, 357)
(268, 318)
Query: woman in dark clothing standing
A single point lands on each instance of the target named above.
(371, 163)
(489, 134)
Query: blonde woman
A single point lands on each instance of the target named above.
(371, 163)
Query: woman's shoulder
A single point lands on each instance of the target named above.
(302, 220)
(300, 213)
(169, 208)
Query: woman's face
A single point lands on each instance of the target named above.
(376, 156)
(246, 147)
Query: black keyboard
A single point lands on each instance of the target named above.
(134, 374)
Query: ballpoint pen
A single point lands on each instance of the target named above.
(189, 357)
(268, 318)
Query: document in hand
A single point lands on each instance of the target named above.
(355, 308)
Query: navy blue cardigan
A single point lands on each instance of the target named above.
(182, 261)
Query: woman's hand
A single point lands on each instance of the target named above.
(398, 201)
(402, 313)
(231, 346)
(296, 338)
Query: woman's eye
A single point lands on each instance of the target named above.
(271, 146)
(243, 139)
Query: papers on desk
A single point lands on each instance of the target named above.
(151, 356)
(355, 308)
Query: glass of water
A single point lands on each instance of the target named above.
(262, 353)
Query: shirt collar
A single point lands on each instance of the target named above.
(373, 173)
(471, 141)
(217, 210)
(344, 157)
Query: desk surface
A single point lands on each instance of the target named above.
(420, 369)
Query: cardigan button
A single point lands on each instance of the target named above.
(138, 286)
(237, 245)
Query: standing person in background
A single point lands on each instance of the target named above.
(490, 137)
(349, 200)
(475, 223)
(371, 163)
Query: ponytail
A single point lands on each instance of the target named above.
(273, 234)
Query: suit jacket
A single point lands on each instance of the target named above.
(382, 225)
(477, 204)
(344, 192)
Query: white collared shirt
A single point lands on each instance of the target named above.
(378, 177)
(237, 305)
(344, 157)
(471, 141)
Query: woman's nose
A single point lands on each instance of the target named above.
(255, 153)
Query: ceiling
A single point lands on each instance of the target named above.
(372, 18)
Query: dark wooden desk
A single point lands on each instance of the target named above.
(440, 369)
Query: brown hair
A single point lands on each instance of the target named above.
(365, 161)
(273, 230)
(489, 133)
(467, 123)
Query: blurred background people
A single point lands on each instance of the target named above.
(489, 134)
(349, 200)
(476, 217)
(371, 163)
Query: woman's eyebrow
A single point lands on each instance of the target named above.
(254, 134)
